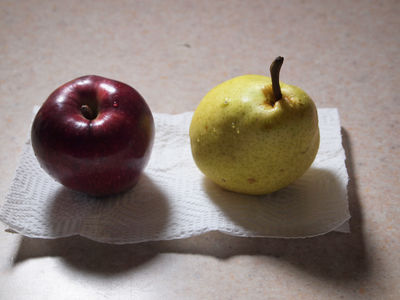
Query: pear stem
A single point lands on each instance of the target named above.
(87, 112)
(274, 69)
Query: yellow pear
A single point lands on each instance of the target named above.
(253, 134)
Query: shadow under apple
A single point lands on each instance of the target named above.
(139, 213)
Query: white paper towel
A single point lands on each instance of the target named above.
(174, 200)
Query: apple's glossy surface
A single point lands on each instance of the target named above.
(100, 152)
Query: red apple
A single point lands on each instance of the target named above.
(94, 135)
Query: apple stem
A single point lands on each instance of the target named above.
(87, 112)
(274, 69)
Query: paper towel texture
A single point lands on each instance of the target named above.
(174, 200)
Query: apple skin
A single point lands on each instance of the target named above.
(100, 156)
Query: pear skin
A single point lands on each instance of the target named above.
(246, 142)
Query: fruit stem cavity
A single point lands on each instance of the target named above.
(88, 112)
(274, 69)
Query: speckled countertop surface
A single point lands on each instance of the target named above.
(345, 54)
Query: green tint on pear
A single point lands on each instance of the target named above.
(253, 134)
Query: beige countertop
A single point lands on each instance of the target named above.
(345, 54)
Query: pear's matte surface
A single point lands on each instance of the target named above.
(244, 144)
